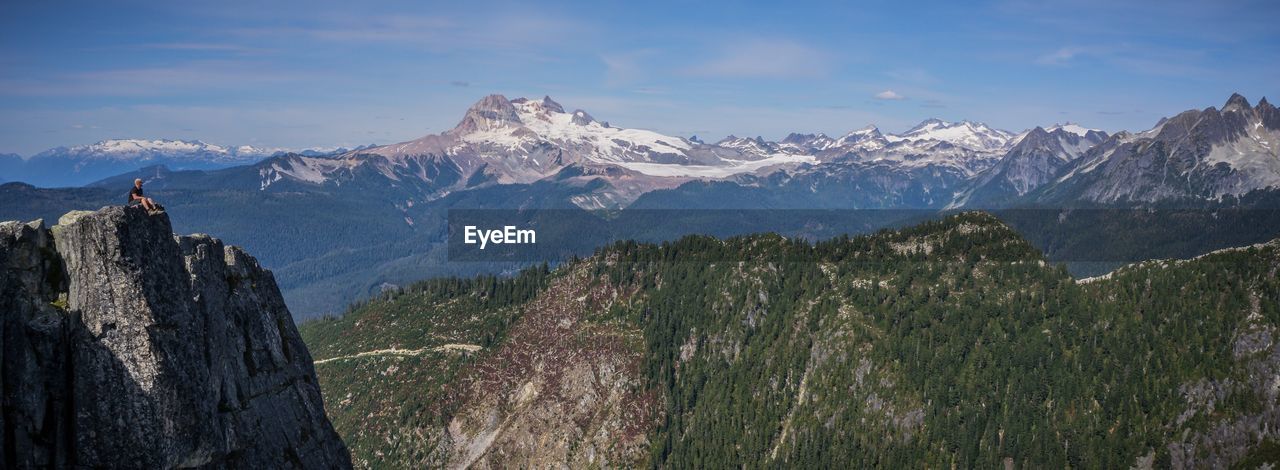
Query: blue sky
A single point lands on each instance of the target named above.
(321, 73)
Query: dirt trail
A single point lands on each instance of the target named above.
(404, 352)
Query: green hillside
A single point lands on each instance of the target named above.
(948, 343)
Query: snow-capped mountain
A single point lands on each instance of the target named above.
(972, 135)
(523, 127)
(863, 168)
(867, 138)
(1074, 129)
(1069, 128)
(1197, 155)
(966, 146)
(520, 141)
(755, 146)
(83, 164)
(159, 149)
(806, 144)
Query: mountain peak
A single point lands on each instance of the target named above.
(491, 112)
(492, 102)
(969, 134)
(931, 123)
(1039, 138)
(551, 105)
(1236, 102)
(1072, 128)
(581, 118)
(867, 134)
(796, 138)
(935, 123)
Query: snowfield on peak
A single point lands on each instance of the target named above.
(523, 140)
(162, 149)
(134, 146)
(606, 144)
(142, 149)
(976, 136)
(559, 125)
(1072, 128)
(706, 171)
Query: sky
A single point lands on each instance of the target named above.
(320, 74)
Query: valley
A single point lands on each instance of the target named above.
(343, 227)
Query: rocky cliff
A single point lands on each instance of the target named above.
(122, 345)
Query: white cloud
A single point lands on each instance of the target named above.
(758, 58)
(1060, 56)
(889, 95)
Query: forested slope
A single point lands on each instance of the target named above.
(950, 342)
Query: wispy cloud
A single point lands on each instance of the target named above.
(437, 33)
(649, 91)
(210, 75)
(759, 58)
(1139, 58)
(889, 95)
(1061, 56)
(201, 47)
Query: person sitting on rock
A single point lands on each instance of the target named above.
(136, 197)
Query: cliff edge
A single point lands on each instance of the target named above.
(122, 345)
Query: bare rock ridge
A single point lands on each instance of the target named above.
(122, 345)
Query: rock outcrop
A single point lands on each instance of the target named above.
(122, 345)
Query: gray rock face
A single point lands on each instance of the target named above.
(36, 416)
(124, 346)
(1030, 163)
(1195, 156)
(491, 112)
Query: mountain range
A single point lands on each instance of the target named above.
(345, 226)
(83, 164)
(960, 164)
(1205, 154)
(1208, 153)
(501, 141)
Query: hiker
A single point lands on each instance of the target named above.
(136, 197)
